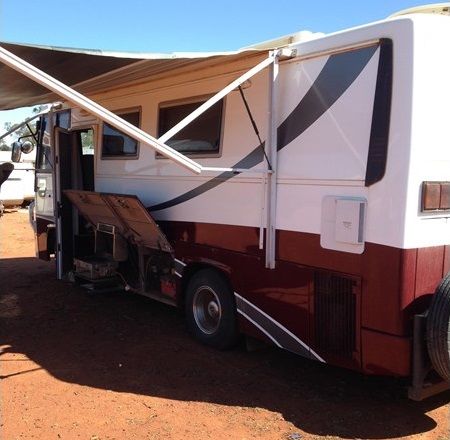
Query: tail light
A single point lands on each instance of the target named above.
(435, 196)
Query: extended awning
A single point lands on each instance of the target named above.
(71, 94)
(90, 71)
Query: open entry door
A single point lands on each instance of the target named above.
(74, 169)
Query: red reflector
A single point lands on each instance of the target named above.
(435, 196)
(168, 287)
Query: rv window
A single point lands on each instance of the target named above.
(117, 144)
(201, 136)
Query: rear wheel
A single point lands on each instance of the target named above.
(211, 310)
(438, 329)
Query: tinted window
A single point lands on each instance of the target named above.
(202, 135)
(118, 144)
(63, 119)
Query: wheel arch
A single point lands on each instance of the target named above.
(195, 266)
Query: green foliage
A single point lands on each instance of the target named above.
(22, 131)
(87, 142)
(38, 108)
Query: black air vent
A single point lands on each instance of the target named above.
(334, 314)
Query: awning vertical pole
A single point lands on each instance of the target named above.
(272, 154)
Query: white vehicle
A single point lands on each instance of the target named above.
(6, 169)
(19, 187)
(296, 191)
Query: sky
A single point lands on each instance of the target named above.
(176, 25)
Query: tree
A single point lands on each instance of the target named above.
(39, 108)
(87, 142)
(21, 132)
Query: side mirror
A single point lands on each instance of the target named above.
(20, 147)
(27, 147)
(16, 152)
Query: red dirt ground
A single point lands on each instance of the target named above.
(117, 366)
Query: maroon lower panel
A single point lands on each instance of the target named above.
(396, 283)
(390, 286)
(385, 354)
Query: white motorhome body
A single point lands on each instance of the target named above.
(355, 189)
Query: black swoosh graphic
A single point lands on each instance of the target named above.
(336, 76)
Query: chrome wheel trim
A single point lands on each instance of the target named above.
(207, 310)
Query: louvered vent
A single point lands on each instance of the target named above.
(334, 314)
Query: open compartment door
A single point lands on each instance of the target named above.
(125, 212)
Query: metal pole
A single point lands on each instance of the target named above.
(272, 154)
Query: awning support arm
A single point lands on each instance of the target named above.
(214, 99)
(116, 121)
(92, 107)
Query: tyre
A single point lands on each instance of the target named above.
(211, 310)
(438, 329)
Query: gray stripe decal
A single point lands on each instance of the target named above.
(273, 329)
(338, 73)
(259, 327)
(179, 267)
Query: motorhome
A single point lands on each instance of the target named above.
(296, 191)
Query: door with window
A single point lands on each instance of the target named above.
(45, 201)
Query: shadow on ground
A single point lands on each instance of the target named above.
(130, 344)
